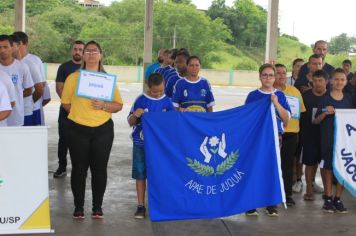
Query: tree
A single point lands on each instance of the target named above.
(5, 18)
(194, 30)
(45, 41)
(252, 19)
(6, 5)
(65, 22)
(182, 1)
(340, 44)
(246, 20)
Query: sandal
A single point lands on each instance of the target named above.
(308, 197)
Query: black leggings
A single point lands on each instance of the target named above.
(89, 147)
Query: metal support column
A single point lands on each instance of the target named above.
(148, 37)
(20, 15)
(272, 32)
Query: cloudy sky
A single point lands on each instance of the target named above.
(308, 20)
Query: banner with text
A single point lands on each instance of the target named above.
(344, 163)
(208, 165)
(24, 199)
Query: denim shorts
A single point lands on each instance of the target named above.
(138, 162)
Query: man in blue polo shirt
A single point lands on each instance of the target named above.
(155, 65)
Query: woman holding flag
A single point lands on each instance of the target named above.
(283, 112)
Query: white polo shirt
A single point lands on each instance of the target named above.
(21, 78)
(4, 103)
(37, 72)
(7, 82)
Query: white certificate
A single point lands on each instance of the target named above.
(96, 85)
(294, 105)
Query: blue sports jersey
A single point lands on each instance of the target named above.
(194, 96)
(168, 73)
(170, 82)
(259, 94)
(148, 104)
(165, 71)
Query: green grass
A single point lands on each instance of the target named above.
(234, 59)
(251, 59)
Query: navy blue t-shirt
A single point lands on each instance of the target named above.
(310, 132)
(350, 89)
(304, 70)
(327, 125)
(303, 81)
(350, 76)
(64, 70)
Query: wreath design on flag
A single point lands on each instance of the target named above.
(207, 170)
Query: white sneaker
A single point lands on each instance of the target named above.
(317, 188)
(297, 186)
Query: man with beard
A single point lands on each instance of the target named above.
(320, 48)
(180, 63)
(64, 70)
(155, 65)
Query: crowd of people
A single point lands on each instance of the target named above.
(23, 75)
(305, 105)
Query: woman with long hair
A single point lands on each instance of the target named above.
(90, 134)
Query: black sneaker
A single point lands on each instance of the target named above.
(253, 212)
(290, 201)
(97, 213)
(78, 213)
(60, 172)
(328, 206)
(140, 212)
(271, 211)
(339, 206)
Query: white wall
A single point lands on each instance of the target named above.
(216, 77)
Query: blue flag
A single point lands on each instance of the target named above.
(209, 165)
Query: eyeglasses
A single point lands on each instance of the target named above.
(265, 75)
(91, 51)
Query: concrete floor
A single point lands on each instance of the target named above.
(306, 218)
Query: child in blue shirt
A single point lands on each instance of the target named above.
(154, 101)
(279, 100)
(267, 73)
(193, 93)
(325, 116)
